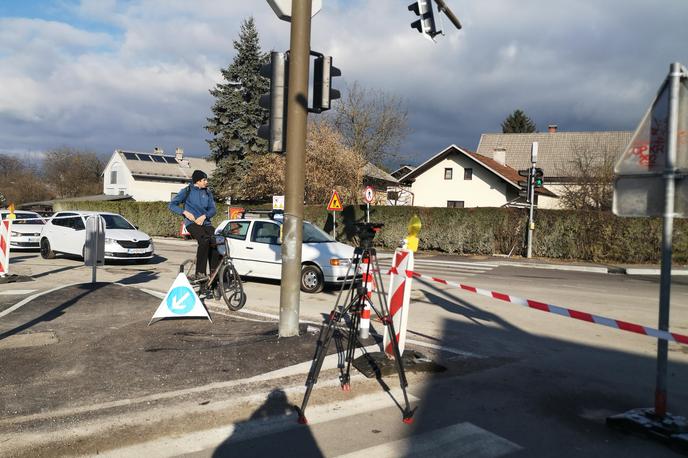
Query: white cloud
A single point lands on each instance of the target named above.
(136, 73)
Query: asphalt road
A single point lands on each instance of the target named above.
(526, 383)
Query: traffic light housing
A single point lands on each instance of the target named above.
(275, 132)
(323, 93)
(524, 184)
(426, 22)
(539, 178)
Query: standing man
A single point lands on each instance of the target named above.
(199, 207)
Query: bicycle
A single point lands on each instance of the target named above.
(225, 278)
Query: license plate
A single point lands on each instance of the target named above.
(136, 250)
(33, 239)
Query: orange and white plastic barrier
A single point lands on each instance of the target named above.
(369, 283)
(5, 231)
(399, 296)
(183, 232)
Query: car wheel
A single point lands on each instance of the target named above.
(311, 279)
(46, 251)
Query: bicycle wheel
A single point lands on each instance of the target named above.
(188, 267)
(231, 288)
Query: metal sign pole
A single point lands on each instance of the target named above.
(94, 254)
(531, 224)
(531, 196)
(367, 212)
(667, 235)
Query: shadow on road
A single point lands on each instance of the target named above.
(277, 418)
(55, 312)
(54, 271)
(524, 384)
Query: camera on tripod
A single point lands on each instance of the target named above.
(366, 233)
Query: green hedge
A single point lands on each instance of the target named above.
(576, 235)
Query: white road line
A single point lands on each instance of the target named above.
(330, 362)
(30, 298)
(201, 440)
(457, 268)
(16, 292)
(449, 263)
(461, 439)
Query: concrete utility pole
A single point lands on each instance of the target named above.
(531, 197)
(297, 114)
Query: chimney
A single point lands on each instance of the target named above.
(499, 155)
(552, 128)
(179, 154)
(157, 150)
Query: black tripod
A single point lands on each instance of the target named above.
(357, 299)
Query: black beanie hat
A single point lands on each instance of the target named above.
(198, 175)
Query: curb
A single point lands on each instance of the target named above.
(594, 269)
(166, 241)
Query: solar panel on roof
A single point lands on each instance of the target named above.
(170, 160)
(158, 158)
(131, 156)
(144, 157)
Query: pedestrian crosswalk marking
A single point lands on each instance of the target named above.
(444, 268)
(461, 439)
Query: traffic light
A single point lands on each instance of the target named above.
(323, 72)
(524, 184)
(426, 23)
(539, 178)
(276, 101)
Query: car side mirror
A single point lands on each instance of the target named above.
(136, 227)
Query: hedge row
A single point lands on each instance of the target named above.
(575, 235)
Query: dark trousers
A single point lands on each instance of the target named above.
(203, 235)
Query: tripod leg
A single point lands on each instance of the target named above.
(336, 315)
(323, 344)
(408, 413)
(351, 343)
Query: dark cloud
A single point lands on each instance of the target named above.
(143, 80)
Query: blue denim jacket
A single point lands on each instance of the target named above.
(197, 201)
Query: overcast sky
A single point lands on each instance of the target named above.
(112, 74)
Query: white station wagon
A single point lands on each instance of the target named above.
(256, 249)
(26, 229)
(65, 232)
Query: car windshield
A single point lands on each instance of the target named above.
(116, 222)
(313, 234)
(26, 218)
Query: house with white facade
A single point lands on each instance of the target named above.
(151, 176)
(458, 178)
(560, 154)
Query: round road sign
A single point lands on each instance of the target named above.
(368, 194)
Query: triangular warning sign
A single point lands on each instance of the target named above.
(181, 301)
(335, 204)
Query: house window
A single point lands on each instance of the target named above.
(455, 204)
(467, 174)
(448, 174)
(113, 177)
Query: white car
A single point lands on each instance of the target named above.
(255, 247)
(65, 232)
(26, 229)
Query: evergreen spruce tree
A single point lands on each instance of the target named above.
(518, 123)
(236, 115)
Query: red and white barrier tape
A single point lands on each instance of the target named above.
(570, 313)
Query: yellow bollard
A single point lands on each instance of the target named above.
(11, 216)
(413, 231)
